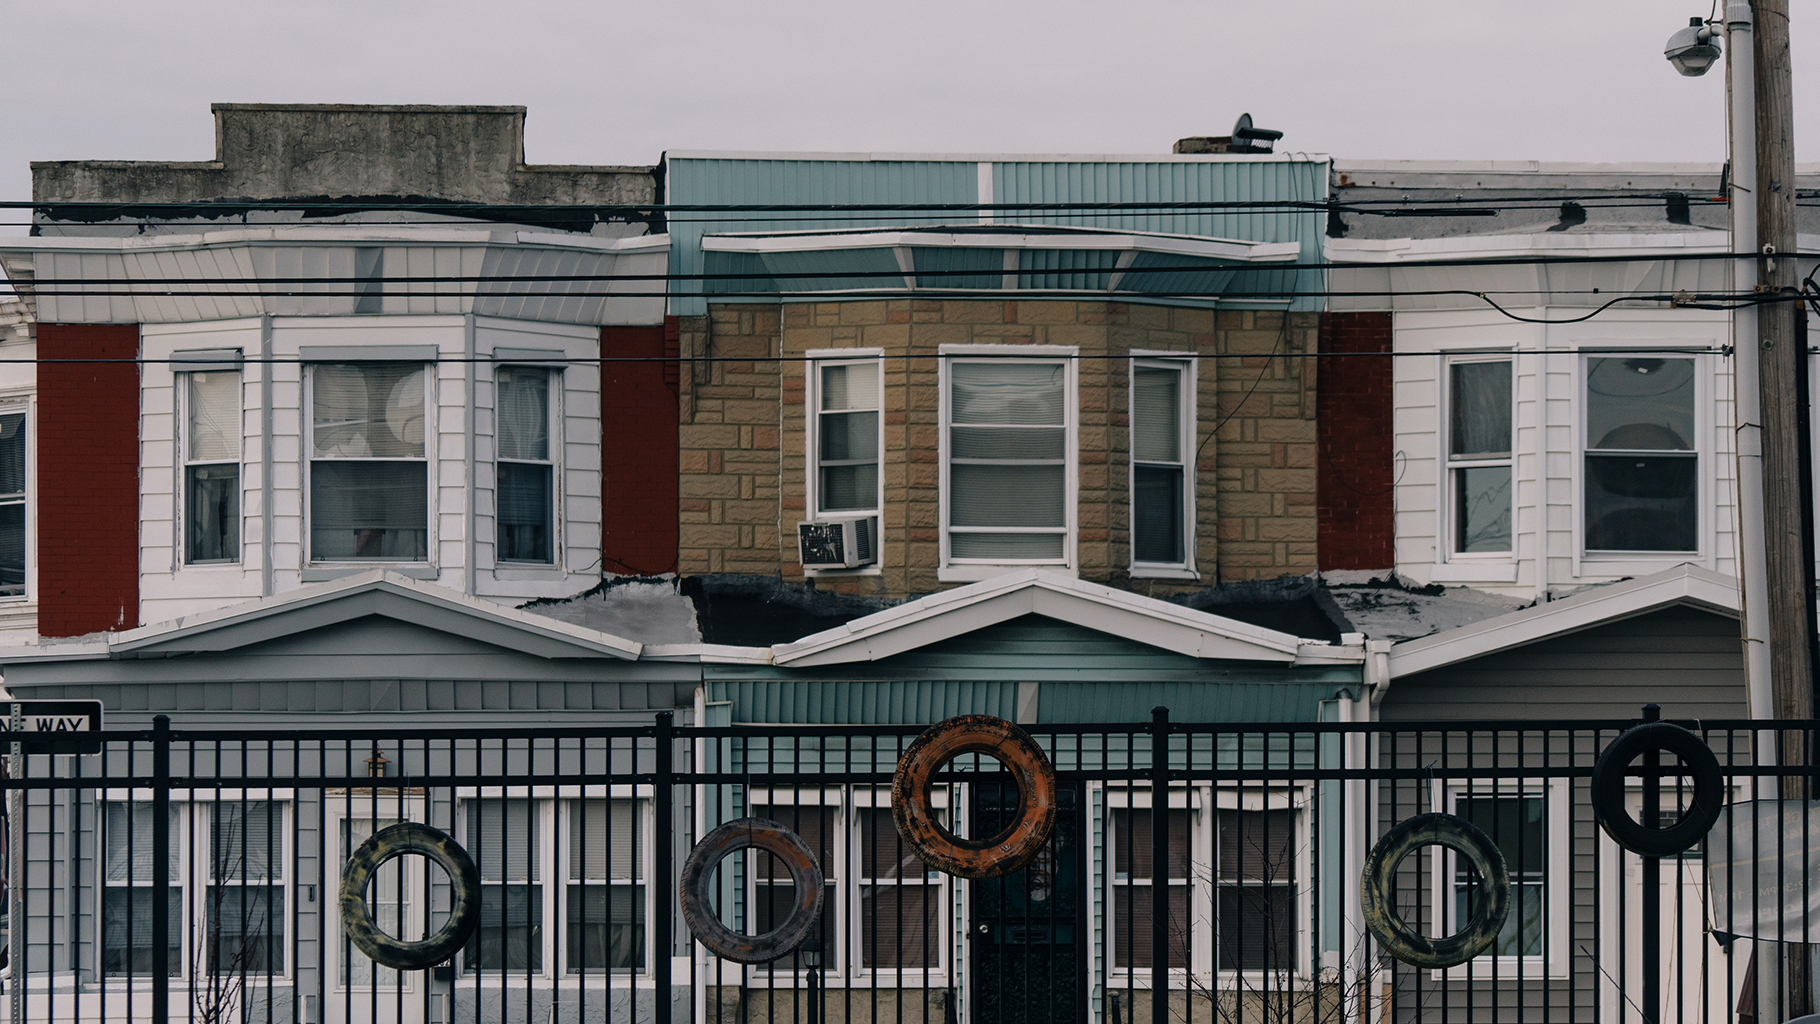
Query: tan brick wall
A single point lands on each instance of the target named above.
(743, 486)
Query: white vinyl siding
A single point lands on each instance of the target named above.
(1008, 458)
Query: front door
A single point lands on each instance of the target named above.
(360, 991)
(1026, 934)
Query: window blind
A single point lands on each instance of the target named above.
(503, 840)
(604, 840)
(367, 410)
(1156, 414)
(213, 417)
(129, 843)
(245, 840)
(1008, 460)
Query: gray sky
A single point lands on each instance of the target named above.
(622, 82)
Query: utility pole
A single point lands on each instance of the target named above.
(1781, 362)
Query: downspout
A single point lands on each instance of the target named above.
(1377, 678)
(265, 456)
(473, 461)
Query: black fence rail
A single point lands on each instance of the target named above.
(1195, 872)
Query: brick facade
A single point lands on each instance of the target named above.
(1357, 478)
(88, 479)
(638, 449)
(743, 458)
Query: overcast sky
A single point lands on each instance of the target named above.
(610, 83)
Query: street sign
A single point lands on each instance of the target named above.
(50, 723)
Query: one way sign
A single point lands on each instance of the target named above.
(49, 720)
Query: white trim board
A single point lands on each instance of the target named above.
(1688, 585)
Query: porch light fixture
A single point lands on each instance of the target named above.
(1693, 49)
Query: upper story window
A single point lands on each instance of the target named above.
(525, 469)
(211, 465)
(1642, 457)
(846, 443)
(1008, 425)
(1162, 443)
(12, 502)
(369, 478)
(1479, 455)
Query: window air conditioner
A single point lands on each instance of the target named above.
(838, 543)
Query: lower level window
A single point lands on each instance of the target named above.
(504, 840)
(1518, 826)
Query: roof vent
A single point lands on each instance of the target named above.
(1244, 139)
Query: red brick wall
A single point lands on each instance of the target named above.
(88, 479)
(1357, 528)
(638, 449)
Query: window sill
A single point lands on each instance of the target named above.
(529, 573)
(1163, 572)
(971, 573)
(1473, 572)
(859, 570)
(414, 570)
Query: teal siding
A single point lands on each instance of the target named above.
(1082, 675)
(737, 181)
(917, 182)
(989, 262)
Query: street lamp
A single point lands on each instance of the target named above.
(1693, 49)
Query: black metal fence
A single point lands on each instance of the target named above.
(1196, 872)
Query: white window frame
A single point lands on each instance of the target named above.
(1644, 562)
(430, 458)
(1554, 961)
(555, 411)
(950, 569)
(1447, 540)
(192, 832)
(24, 402)
(181, 390)
(812, 414)
(1188, 367)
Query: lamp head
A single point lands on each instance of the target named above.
(1693, 49)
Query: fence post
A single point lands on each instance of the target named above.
(161, 868)
(1652, 882)
(664, 793)
(1159, 865)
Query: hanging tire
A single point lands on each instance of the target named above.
(916, 820)
(464, 885)
(1608, 790)
(1377, 891)
(698, 910)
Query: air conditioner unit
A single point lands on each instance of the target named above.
(838, 543)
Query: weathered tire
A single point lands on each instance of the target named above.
(698, 911)
(1377, 891)
(998, 855)
(464, 884)
(1608, 790)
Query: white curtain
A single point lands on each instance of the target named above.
(523, 410)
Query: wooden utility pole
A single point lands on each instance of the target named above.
(1782, 361)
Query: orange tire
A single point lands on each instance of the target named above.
(974, 858)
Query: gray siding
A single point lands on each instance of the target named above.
(1688, 661)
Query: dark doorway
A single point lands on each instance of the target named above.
(1027, 936)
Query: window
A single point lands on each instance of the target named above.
(388, 896)
(774, 895)
(605, 902)
(1162, 442)
(1009, 461)
(846, 436)
(900, 899)
(1479, 455)
(12, 503)
(1642, 465)
(1254, 891)
(1518, 825)
(526, 475)
(126, 900)
(369, 479)
(1132, 895)
(211, 465)
(244, 915)
(503, 839)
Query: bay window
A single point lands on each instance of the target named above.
(369, 476)
(525, 473)
(1009, 466)
(1641, 489)
(1162, 444)
(1479, 455)
(211, 465)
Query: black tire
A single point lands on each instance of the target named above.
(698, 910)
(1608, 790)
(464, 884)
(1377, 891)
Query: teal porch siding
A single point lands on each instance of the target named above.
(747, 181)
(860, 701)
